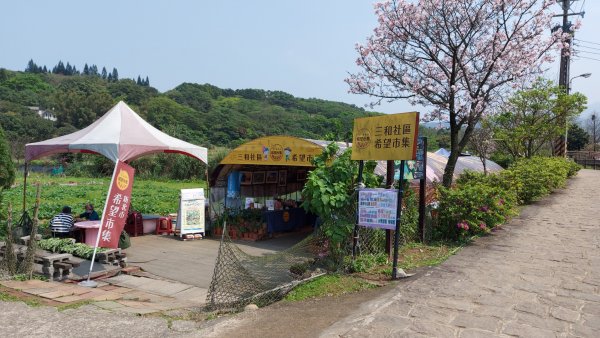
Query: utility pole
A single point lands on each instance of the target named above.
(594, 130)
(560, 144)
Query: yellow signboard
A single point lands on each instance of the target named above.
(387, 137)
(275, 150)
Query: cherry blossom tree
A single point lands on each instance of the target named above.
(458, 56)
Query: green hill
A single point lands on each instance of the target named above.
(198, 113)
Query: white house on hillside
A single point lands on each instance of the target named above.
(45, 114)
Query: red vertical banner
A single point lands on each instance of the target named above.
(117, 206)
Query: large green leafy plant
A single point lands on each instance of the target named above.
(330, 191)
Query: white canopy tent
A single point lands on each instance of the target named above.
(120, 134)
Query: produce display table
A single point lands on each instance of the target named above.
(91, 231)
(287, 219)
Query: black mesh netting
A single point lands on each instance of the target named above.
(240, 279)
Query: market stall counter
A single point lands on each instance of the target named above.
(288, 219)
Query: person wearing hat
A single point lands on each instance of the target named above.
(61, 224)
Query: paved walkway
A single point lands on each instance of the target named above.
(538, 277)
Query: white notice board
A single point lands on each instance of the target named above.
(190, 217)
(377, 208)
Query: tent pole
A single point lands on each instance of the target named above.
(25, 186)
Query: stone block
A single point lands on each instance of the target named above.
(520, 330)
(564, 314)
(476, 322)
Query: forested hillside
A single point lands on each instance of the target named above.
(198, 113)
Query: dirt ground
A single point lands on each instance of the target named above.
(291, 319)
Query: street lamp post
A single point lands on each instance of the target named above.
(584, 75)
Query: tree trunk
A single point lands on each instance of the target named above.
(454, 152)
(450, 166)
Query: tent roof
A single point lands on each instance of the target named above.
(436, 165)
(120, 134)
(277, 151)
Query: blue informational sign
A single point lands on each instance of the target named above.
(233, 184)
(413, 170)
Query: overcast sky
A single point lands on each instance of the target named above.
(305, 48)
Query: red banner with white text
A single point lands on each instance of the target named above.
(117, 206)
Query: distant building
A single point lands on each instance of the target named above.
(45, 114)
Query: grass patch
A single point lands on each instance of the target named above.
(410, 256)
(73, 305)
(328, 286)
(22, 277)
(6, 297)
(416, 255)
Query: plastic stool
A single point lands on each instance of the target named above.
(164, 225)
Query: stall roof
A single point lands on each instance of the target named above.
(278, 151)
(120, 134)
(281, 151)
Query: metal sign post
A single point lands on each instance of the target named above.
(398, 220)
(422, 162)
(389, 137)
(361, 165)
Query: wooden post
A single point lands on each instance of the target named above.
(25, 186)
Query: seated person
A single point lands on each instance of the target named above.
(61, 224)
(90, 214)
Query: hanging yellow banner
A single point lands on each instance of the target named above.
(387, 137)
(275, 150)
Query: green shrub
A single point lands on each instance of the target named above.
(364, 263)
(480, 202)
(537, 177)
(472, 209)
(409, 222)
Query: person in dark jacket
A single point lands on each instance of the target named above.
(90, 214)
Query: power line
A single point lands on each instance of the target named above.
(590, 42)
(582, 5)
(586, 47)
(584, 57)
(583, 51)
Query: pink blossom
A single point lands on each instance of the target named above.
(482, 226)
(459, 57)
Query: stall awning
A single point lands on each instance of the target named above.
(275, 150)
